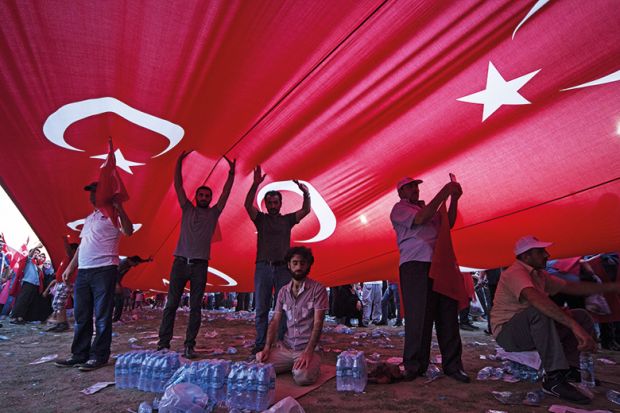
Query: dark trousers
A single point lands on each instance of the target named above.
(93, 292)
(423, 307)
(390, 295)
(532, 330)
(119, 300)
(25, 300)
(181, 273)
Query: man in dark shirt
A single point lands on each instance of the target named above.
(191, 256)
(274, 239)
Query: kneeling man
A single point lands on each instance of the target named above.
(305, 302)
(524, 318)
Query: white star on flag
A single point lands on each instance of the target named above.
(121, 162)
(498, 92)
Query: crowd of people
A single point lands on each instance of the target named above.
(528, 306)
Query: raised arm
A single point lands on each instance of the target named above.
(178, 179)
(454, 201)
(249, 198)
(428, 211)
(305, 207)
(221, 203)
(126, 225)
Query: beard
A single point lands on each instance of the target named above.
(202, 204)
(299, 276)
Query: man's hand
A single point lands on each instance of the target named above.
(65, 276)
(231, 164)
(302, 187)
(585, 342)
(303, 361)
(454, 189)
(262, 356)
(258, 175)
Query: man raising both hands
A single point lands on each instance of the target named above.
(274, 239)
(191, 256)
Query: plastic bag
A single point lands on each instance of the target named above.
(185, 397)
(286, 405)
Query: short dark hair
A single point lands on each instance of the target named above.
(274, 193)
(303, 251)
(203, 187)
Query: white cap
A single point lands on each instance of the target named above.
(528, 242)
(406, 180)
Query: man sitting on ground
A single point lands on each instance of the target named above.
(305, 303)
(524, 318)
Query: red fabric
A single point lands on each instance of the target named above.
(447, 279)
(348, 95)
(468, 281)
(568, 265)
(19, 275)
(110, 187)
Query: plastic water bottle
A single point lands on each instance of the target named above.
(145, 407)
(264, 395)
(135, 366)
(586, 365)
(120, 371)
(340, 372)
(360, 372)
(251, 386)
(232, 395)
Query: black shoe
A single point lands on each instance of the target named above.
(398, 323)
(460, 375)
(256, 350)
(161, 347)
(92, 365)
(556, 385)
(18, 321)
(70, 362)
(189, 352)
(410, 375)
(467, 327)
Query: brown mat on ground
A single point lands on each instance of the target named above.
(285, 386)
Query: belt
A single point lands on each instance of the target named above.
(190, 261)
(273, 263)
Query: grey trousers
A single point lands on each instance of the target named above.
(555, 343)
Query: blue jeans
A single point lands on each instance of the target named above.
(390, 293)
(94, 290)
(267, 278)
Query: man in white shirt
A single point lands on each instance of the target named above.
(97, 261)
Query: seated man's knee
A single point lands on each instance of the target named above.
(305, 377)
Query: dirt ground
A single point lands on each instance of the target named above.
(46, 388)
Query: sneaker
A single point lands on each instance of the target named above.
(398, 323)
(161, 347)
(92, 365)
(555, 384)
(70, 362)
